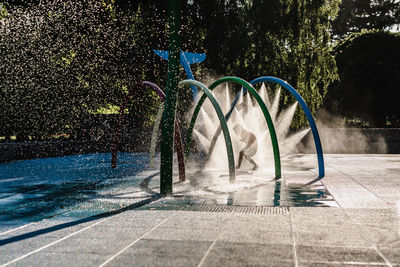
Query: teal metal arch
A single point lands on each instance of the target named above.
(263, 107)
(228, 141)
(314, 130)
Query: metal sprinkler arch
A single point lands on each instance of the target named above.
(311, 121)
(263, 107)
(223, 125)
(300, 100)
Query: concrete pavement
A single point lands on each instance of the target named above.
(357, 225)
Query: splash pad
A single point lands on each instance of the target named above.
(170, 129)
(270, 133)
(110, 221)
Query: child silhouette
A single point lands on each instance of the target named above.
(251, 145)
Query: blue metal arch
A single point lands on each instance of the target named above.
(297, 96)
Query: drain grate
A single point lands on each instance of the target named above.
(217, 208)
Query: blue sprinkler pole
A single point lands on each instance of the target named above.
(189, 73)
(186, 58)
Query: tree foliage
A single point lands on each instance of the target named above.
(369, 68)
(287, 39)
(356, 15)
(62, 60)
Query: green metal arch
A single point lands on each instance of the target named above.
(263, 107)
(228, 141)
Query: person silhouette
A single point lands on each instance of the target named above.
(251, 145)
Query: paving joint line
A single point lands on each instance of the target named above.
(357, 182)
(211, 246)
(17, 228)
(372, 245)
(295, 259)
(57, 241)
(380, 175)
(43, 219)
(53, 243)
(134, 242)
(349, 263)
(333, 197)
(361, 233)
(207, 252)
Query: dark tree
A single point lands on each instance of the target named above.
(65, 59)
(356, 15)
(287, 39)
(62, 60)
(369, 86)
(9, 4)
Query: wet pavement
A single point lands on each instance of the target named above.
(77, 211)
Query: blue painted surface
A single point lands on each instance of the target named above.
(31, 190)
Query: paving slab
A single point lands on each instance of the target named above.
(61, 259)
(315, 254)
(153, 252)
(249, 254)
(392, 254)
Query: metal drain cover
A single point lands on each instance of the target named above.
(217, 208)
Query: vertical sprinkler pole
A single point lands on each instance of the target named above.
(167, 131)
